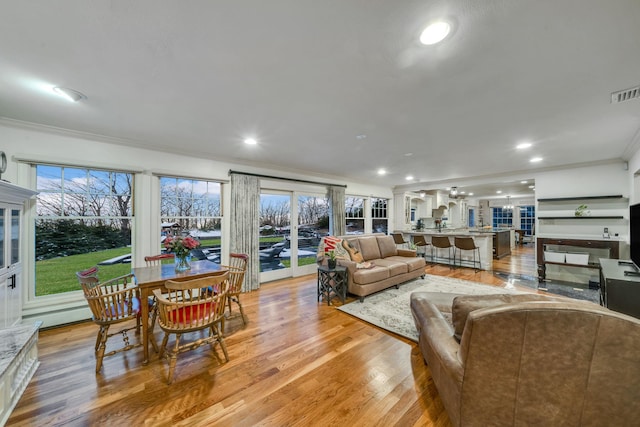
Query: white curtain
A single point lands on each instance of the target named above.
(245, 199)
(337, 218)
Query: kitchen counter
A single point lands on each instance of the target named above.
(484, 240)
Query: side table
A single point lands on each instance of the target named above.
(332, 282)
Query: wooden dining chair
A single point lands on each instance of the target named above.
(115, 301)
(237, 268)
(153, 260)
(193, 305)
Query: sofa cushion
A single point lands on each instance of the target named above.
(463, 305)
(413, 263)
(387, 246)
(395, 267)
(372, 275)
(369, 248)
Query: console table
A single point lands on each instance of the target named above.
(620, 286)
(612, 245)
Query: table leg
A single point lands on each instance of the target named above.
(144, 302)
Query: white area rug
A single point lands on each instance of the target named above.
(389, 309)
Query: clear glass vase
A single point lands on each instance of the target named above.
(183, 263)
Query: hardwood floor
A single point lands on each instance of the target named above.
(296, 363)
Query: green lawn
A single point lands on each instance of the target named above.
(58, 275)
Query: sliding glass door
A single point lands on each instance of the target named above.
(288, 250)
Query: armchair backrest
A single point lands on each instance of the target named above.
(526, 363)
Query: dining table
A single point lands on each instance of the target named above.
(154, 277)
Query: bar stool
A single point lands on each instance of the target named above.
(420, 242)
(467, 244)
(443, 242)
(398, 239)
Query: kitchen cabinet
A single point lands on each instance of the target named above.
(409, 208)
(12, 200)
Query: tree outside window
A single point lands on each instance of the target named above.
(83, 218)
(192, 207)
(380, 222)
(354, 212)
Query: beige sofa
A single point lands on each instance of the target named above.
(505, 360)
(391, 266)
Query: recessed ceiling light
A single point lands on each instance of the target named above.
(250, 141)
(499, 192)
(69, 94)
(523, 182)
(462, 192)
(536, 159)
(532, 186)
(435, 33)
(523, 145)
(409, 178)
(382, 172)
(470, 194)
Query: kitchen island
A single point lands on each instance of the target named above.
(483, 239)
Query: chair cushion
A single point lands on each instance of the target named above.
(192, 313)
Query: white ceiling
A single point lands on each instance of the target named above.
(306, 78)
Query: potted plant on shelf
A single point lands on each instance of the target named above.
(331, 262)
(581, 210)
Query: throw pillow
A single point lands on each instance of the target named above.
(353, 252)
(331, 243)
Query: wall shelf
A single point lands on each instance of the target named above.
(569, 199)
(582, 217)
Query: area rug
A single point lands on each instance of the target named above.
(389, 309)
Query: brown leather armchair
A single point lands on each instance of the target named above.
(530, 360)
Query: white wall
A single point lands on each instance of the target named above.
(597, 180)
(63, 148)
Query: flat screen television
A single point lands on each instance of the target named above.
(634, 233)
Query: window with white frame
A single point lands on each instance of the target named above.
(379, 217)
(354, 212)
(83, 219)
(192, 207)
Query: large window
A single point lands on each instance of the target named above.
(502, 217)
(192, 207)
(83, 219)
(527, 219)
(354, 210)
(380, 223)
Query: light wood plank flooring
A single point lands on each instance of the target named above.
(296, 363)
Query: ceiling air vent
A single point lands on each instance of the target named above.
(625, 95)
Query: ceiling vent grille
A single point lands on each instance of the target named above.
(625, 95)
